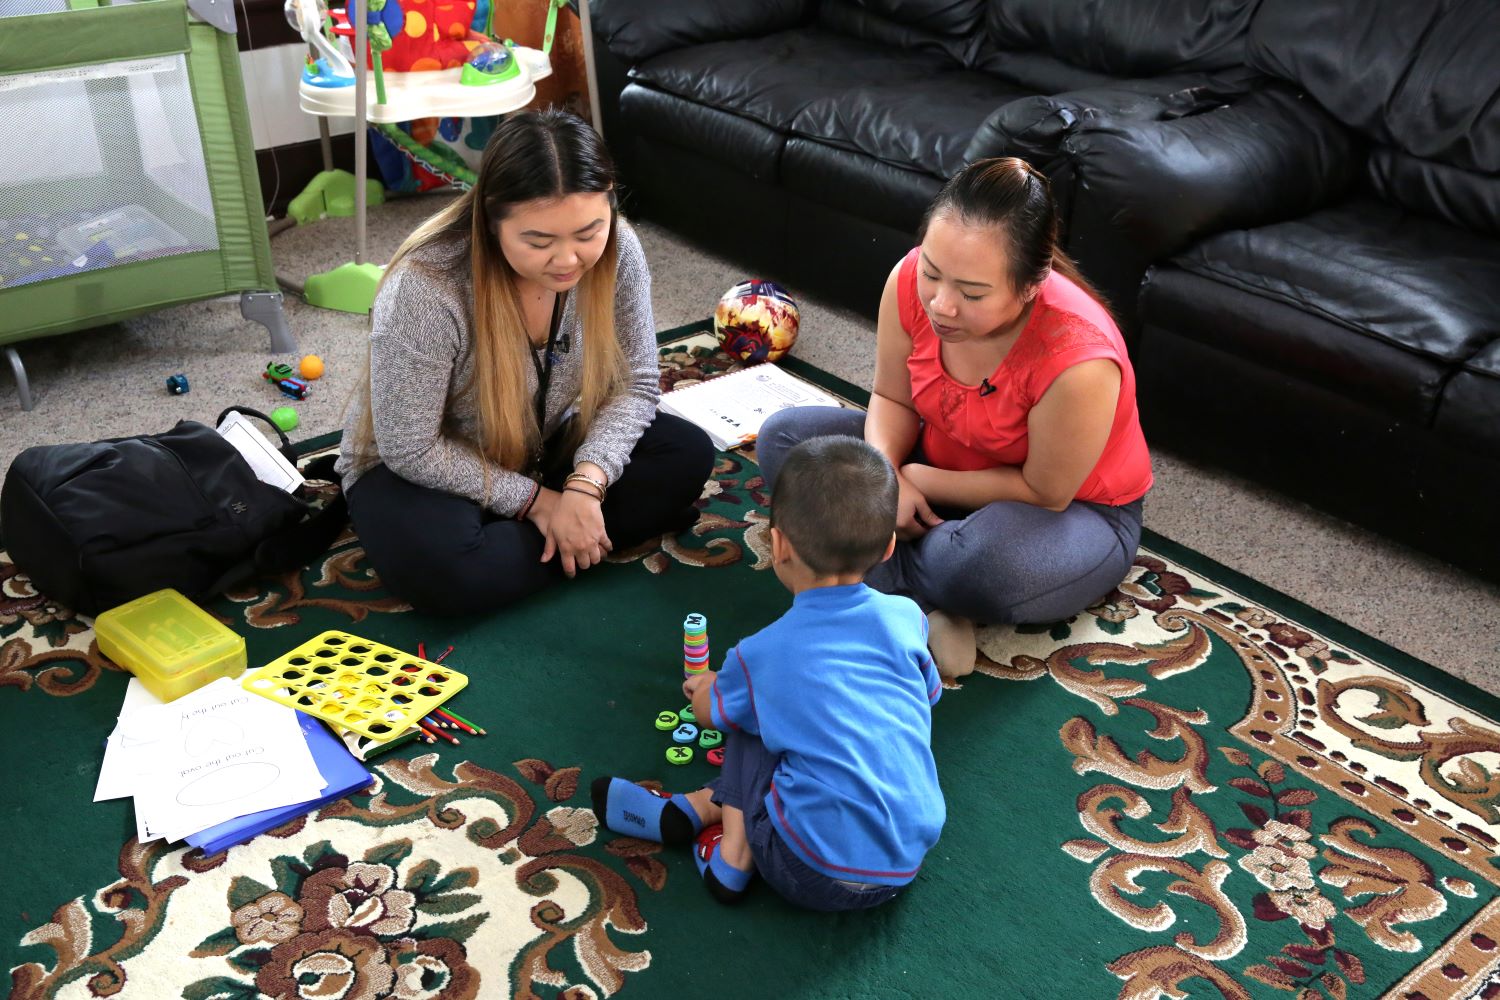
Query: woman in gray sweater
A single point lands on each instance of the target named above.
(507, 435)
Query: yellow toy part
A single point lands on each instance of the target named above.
(376, 690)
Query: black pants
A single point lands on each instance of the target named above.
(448, 555)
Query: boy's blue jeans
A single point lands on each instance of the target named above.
(744, 784)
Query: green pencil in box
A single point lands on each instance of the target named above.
(364, 748)
(471, 727)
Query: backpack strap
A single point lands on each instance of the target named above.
(286, 449)
(294, 546)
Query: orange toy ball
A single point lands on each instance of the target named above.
(312, 367)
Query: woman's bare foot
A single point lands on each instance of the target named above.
(953, 644)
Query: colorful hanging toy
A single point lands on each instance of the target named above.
(427, 58)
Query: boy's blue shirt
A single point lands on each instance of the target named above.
(841, 687)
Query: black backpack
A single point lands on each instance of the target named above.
(96, 525)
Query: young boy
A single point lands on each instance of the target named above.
(828, 788)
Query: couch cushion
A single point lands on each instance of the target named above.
(1415, 74)
(899, 126)
(1255, 340)
(1126, 37)
(943, 17)
(1470, 407)
(849, 182)
(1040, 72)
(1375, 278)
(846, 92)
(856, 19)
(736, 141)
(1462, 197)
(638, 29)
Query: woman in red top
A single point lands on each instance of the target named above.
(1005, 399)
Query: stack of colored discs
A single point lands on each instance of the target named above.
(694, 645)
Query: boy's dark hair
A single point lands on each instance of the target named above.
(835, 500)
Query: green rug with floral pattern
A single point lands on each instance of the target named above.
(1196, 788)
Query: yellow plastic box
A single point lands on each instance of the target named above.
(170, 643)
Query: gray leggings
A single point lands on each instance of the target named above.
(1008, 562)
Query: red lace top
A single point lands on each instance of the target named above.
(963, 430)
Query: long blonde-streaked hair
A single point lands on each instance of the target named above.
(531, 155)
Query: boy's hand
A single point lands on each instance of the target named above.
(696, 690)
(690, 685)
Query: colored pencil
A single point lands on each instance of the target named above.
(459, 718)
(439, 734)
(454, 722)
(443, 655)
(422, 650)
(436, 723)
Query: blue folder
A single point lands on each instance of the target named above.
(341, 772)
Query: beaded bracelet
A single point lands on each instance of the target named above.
(536, 491)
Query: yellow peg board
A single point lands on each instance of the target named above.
(376, 690)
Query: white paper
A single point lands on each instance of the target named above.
(227, 753)
(137, 695)
(210, 756)
(120, 771)
(268, 464)
(127, 763)
(731, 408)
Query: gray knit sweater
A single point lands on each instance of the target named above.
(420, 356)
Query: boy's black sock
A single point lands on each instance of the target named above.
(719, 891)
(627, 808)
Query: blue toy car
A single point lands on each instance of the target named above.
(294, 387)
(177, 384)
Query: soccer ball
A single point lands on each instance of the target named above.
(757, 321)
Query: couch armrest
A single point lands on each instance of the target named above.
(1034, 127)
(636, 30)
(1143, 191)
(1162, 185)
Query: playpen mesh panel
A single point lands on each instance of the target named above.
(108, 169)
(16, 8)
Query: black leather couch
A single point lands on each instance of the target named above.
(1321, 310)
(806, 137)
(1310, 190)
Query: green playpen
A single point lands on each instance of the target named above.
(131, 181)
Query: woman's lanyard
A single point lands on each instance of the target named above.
(544, 379)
